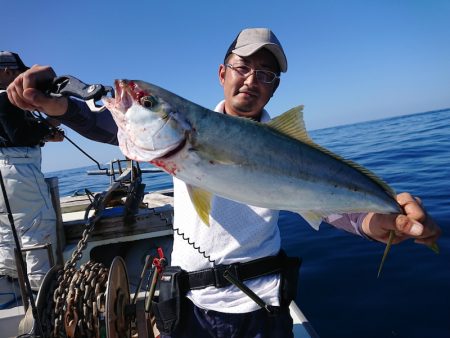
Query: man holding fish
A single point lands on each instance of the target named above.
(226, 199)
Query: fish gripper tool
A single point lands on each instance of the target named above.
(68, 85)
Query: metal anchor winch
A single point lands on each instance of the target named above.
(94, 300)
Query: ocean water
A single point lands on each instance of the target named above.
(339, 291)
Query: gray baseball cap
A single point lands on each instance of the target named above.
(11, 60)
(250, 40)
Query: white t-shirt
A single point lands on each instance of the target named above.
(237, 233)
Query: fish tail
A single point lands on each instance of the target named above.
(386, 251)
(434, 247)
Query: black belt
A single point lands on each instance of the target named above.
(243, 271)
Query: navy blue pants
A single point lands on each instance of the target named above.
(201, 323)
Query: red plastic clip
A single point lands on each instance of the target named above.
(160, 253)
(160, 262)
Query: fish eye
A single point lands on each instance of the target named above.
(148, 101)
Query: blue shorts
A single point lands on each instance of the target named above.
(201, 323)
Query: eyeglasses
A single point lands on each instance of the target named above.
(264, 76)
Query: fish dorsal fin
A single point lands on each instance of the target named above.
(201, 199)
(291, 123)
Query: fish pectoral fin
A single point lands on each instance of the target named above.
(201, 199)
(314, 219)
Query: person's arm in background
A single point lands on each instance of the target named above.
(24, 92)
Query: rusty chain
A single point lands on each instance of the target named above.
(78, 300)
(77, 308)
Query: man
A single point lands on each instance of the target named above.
(238, 233)
(21, 138)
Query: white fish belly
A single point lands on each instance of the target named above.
(247, 184)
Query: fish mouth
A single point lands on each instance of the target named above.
(126, 92)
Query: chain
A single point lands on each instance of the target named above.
(85, 302)
(72, 310)
(79, 298)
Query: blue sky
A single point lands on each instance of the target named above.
(348, 60)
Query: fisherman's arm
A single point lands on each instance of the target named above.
(24, 92)
(415, 223)
(349, 222)
(97, 126)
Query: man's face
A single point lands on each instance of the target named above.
(246, 96)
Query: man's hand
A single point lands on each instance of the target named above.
(415, 223)
(24, 92)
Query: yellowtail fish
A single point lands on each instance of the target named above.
(274, 165)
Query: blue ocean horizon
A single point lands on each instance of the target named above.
(339, 291)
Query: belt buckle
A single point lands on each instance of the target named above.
(234, 269)
(220, 280)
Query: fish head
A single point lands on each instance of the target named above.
(148, 126)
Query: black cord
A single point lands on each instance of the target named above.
(196, 247)
(38, 115)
